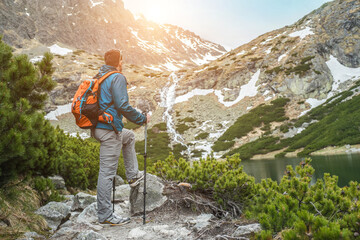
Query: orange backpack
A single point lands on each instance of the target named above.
(85, 105)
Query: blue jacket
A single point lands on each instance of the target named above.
(114, 88)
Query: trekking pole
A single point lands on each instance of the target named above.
(114, 195)
(145, 155)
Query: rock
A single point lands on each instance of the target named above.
(69, 200)
(154, 196)
(31, 236)
(82, 200)
(67, 224)
(247, 229)
(90, 235)
(64, 233)
(54, 213)
(122, 193)
(136, 233)
(119, 181)
(201, 221)
(89, 215)
(164, 230)
(58, 182)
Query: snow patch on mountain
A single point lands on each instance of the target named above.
(341, 73)
(63, 109)
(94, 4)
(193, 93)
(56, 49)
(302, 33)
(36, 59)
(247, 90)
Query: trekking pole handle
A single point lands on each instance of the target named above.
(145, 133)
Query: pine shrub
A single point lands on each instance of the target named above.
(302, 210)
(224, 180)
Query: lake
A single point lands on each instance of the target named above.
(346, 167)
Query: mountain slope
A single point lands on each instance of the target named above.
(292, 60)
(96, 26)
(307, 62)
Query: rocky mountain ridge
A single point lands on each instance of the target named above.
(96, 26)
(292, 60)
(308, 62)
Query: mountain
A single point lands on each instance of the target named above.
(308, 62)
(97, 26)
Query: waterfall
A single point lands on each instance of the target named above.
(167, 95)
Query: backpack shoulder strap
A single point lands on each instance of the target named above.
(100, 80)
(106, 75)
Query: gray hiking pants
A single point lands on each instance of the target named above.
(110, 148)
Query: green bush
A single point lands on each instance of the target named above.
(224, 180)
(262, 114)
(46, 190)
(158, 143)
(201, 136)
(196, 153)
(261, 146)
(79, 160)
(181, 128)
(177, 149)
(275, 69)
(322, 210)
(187, 119)
(222, 145)
(161, 126)
(131, 125)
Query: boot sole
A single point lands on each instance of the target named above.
(137, 182)
(114, 224)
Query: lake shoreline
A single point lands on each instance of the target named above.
(332, 150)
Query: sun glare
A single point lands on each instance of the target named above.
(155, 14)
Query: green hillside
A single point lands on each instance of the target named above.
(334, 123)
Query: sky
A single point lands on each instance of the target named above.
(230, 23)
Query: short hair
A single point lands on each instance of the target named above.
(113, 57)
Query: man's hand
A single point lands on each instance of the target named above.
(148, 116)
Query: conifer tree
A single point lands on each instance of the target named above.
(28, 142)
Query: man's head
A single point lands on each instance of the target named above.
(113, 58)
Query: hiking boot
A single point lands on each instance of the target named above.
(136, 180)
(116, 220)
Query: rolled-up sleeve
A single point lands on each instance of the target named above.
(121, 100)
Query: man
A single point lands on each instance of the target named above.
(114, 98)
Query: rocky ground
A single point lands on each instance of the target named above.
(173, 212)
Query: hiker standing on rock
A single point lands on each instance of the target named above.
(114, 137)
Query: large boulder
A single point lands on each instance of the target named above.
(88, 215)
(90, 235)
(247, 229)
(154, 196)
(122, 193)
(31, 236)
(82, 200)
(201, 221)
(119, 181)
(55, 213)
(155, 232)
(64, 233)
(58, 182)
